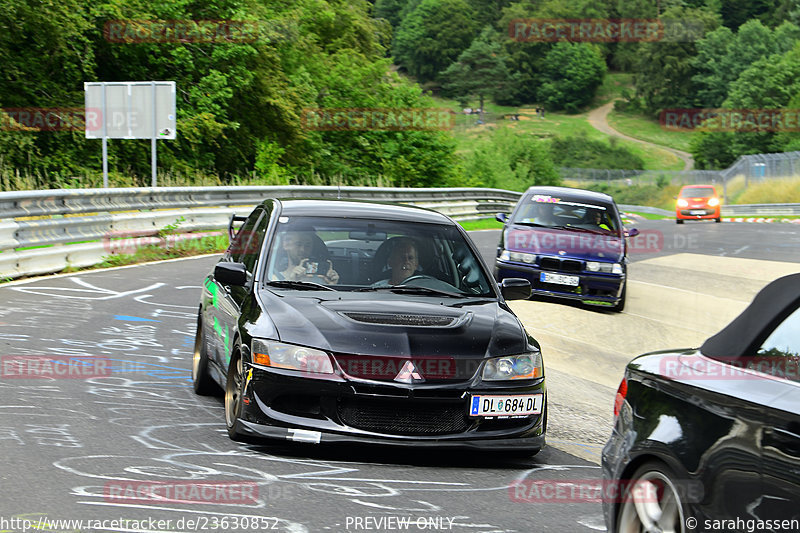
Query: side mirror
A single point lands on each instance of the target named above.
(633, 232)
(501, 217)
(515, 289)
(231, 274)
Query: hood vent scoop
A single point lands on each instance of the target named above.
(393, 319)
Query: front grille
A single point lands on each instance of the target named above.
(404, 417)
(402, 320)
(563, 265)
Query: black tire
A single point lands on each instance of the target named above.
(717, 220)
(234, 388)
(660, 506)
(201, 380)
(678, 221)
(620, 305)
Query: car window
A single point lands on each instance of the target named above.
(238, 246)
(551, 211)
(697, 192)
(779, 355)
(364, 253)
(252, 250)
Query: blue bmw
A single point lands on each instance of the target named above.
(569, 243)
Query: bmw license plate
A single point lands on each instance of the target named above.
(697, 212)
(506, 405)
(560, 279)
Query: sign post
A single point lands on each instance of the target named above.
(130, 110)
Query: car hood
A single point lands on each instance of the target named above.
(394, 325)
(576, 244)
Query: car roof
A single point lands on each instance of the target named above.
(361, 209)
(698, 187)
(575, 194)
(744, 335)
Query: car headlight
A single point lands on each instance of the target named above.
(713, 202)
(523, 366)
(519, 257)
(596, 266)
(682, 203)
(292, 357)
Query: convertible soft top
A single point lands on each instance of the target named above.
(747, 332)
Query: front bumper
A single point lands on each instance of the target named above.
(695, 213)
(593, 288)
(287, 405)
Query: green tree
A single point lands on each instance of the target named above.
(432, 36)
(723, 55)
(664, 70)
(480, 69)
(390, 10)
(571, 74)
(769, 83)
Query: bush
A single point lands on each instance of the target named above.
(509, 161)
(582, 152)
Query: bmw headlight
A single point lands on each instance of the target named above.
(596, 266)
(523, 366)
(519, 257)
(281, 355)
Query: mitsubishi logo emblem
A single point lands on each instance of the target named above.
(408, 374)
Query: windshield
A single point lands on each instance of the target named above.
(551, 212)
(374, 255)
(697, 192)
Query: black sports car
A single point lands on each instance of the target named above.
(340, 321)
(709, 439)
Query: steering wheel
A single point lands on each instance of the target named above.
(418, 276)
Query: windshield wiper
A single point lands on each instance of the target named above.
(300, 285)
(531, 224)
(413, 289)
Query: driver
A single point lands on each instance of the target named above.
(403, 260)
(298, 246)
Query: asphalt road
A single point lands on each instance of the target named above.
(83, 448)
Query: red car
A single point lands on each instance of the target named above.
(697, 202)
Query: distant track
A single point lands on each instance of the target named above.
(598, 118)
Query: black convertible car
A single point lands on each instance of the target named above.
(332, 321)
(709, 439)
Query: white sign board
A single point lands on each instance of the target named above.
(130, 110)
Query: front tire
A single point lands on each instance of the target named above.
(652, 502)
(678, 221)
(234, 388)
(201, 380)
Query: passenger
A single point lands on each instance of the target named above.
(298, 246)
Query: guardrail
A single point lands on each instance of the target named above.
(47, 231)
